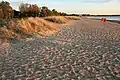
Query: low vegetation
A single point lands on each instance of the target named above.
(24, 27)
(56, 19)
(72, 17)
(30, 20)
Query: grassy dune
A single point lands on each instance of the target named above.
(24, 27)
(56, 19)
(19, 28)
(72, 17)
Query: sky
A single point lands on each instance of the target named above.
(106, 7)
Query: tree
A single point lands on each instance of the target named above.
(6, 10)
(44, 11)
(47, 12)
(35, 9)
(56, 13)
(24, 7)
(63, 14)
(28, 10)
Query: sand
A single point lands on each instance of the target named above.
(84, 49)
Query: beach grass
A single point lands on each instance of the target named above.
(20, 28)
(72, 17)
(56, 19)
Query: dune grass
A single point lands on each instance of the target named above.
(72, 17)
(56, 19)
(20, 28)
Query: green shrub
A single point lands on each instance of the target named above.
(3, 23)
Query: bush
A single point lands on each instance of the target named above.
(3, 23)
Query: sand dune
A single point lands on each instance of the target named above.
(18, 28)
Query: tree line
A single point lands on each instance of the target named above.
(26, 10)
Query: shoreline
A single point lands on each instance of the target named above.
(114, 21)
(107, 20)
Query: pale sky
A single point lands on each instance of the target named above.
(75, 6)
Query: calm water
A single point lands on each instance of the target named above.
(114, 18)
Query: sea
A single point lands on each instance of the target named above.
(112, 18)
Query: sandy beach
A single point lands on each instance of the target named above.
(84, 49)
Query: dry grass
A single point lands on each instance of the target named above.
(56, 19)
(19, 28)
(72, 17)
